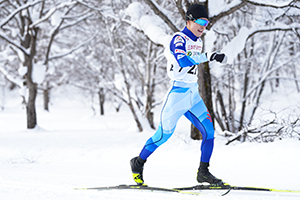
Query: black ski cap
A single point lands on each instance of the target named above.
(196, 11)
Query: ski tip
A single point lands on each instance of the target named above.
(80, 188)
(278, 190)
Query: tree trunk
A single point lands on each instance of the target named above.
(205, 87)
(30, 108)
(46, 92)
(138, 123)
(246, 84)
(195, 133)
(150, 85)
(32, 87)
(101, 100)
(223, 110)
(148, 108)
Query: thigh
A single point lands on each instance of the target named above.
(173, 108)
(176, 103)
(201, 118)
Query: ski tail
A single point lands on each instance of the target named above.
(143, 187)
(133, 187)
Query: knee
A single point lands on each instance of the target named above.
(165, 137)
(210, 133)
(161, 136)
(209, 130)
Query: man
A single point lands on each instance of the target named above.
(183, 96)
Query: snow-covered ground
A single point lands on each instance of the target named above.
(74, 148)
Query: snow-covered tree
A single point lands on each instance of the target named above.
(258, 44)
(234, 26)
(124, 56)
(30, 29)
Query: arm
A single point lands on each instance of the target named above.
(217, 56)
(178, 49)
(204, 57)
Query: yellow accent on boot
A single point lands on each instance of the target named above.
(137, 178)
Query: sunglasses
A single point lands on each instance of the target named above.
(202, 22)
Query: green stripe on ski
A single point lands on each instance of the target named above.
(263, 189)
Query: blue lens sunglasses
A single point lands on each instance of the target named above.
(202, 22)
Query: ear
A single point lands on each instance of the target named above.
(188, 23)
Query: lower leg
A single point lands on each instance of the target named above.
(203, 168)
(204, 175)
(137, 167)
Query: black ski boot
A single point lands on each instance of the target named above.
(204, 175)
(137, 166)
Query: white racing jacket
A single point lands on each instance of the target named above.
(185, 55)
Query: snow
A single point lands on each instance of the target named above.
(2, 35)
(157, 31)
(152, 25)
(3, 22)
(238, 42)
(56, 18)
(275, 2)
(71, 147)
(38, 73)
(11, 78)
(22, 70)
(218, 6)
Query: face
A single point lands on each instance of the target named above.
(196, 28)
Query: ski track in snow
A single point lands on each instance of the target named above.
(72, 148)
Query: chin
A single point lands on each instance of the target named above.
(199, 34)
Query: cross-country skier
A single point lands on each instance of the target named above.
(183, 96)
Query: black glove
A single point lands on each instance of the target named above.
(219, 57)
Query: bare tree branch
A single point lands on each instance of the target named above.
(74, 49)
(5, 21)
(15, 80)
(291, 27)
(58, 27)
(165, 18)
(273, 6)
(179, 7)
(226, 13)
(245, 2)
(50, 13)
(267, 74)
(14, 44)
(88, 14)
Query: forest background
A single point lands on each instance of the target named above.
(114, 52)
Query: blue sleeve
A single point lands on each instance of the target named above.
(199, 58)
(178, 49)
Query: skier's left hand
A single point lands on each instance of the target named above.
(219, 57)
